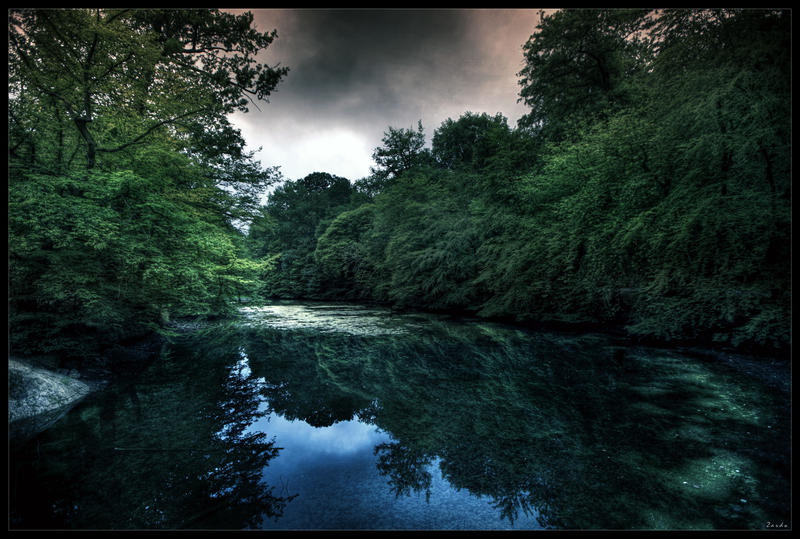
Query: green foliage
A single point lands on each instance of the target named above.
(428, 240)
(577, 65)
(295, 216)
(649, 186)
(113, 253)
(126, 180)
(343, 254)
(402, 150)
(111, 77)
(470, 141)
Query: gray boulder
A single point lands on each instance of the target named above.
(37, 397)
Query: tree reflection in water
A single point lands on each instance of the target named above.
(407, 469)
(170, 450)
(576, 430)
(587, 433)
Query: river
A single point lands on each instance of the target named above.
(328, 416)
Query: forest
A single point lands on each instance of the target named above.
(647, 189)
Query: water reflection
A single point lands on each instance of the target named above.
(169, 450)
(578, 431)
(396, 422)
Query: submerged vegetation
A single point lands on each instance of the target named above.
(648, 187)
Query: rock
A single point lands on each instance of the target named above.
(38, 397)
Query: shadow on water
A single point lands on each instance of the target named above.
(577, 431)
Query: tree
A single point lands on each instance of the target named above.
(95, 262)
(113, 75)
(107, 251)
(344, 255)
(290, 223)
(426, 240)
(401, 151)
(471, 141)
(576, 66)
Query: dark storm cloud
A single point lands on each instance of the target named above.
(354, 73)
(365, 63)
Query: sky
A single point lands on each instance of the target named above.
(354, 73)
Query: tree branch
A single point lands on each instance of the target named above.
(111, 18)
(153, 128)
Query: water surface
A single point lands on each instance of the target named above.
(315, 416)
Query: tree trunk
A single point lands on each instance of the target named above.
(91, 150)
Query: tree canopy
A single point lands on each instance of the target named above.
(577, 66)
(113, 75)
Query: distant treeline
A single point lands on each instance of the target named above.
(649, 187)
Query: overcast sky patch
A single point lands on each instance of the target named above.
(354, 73)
